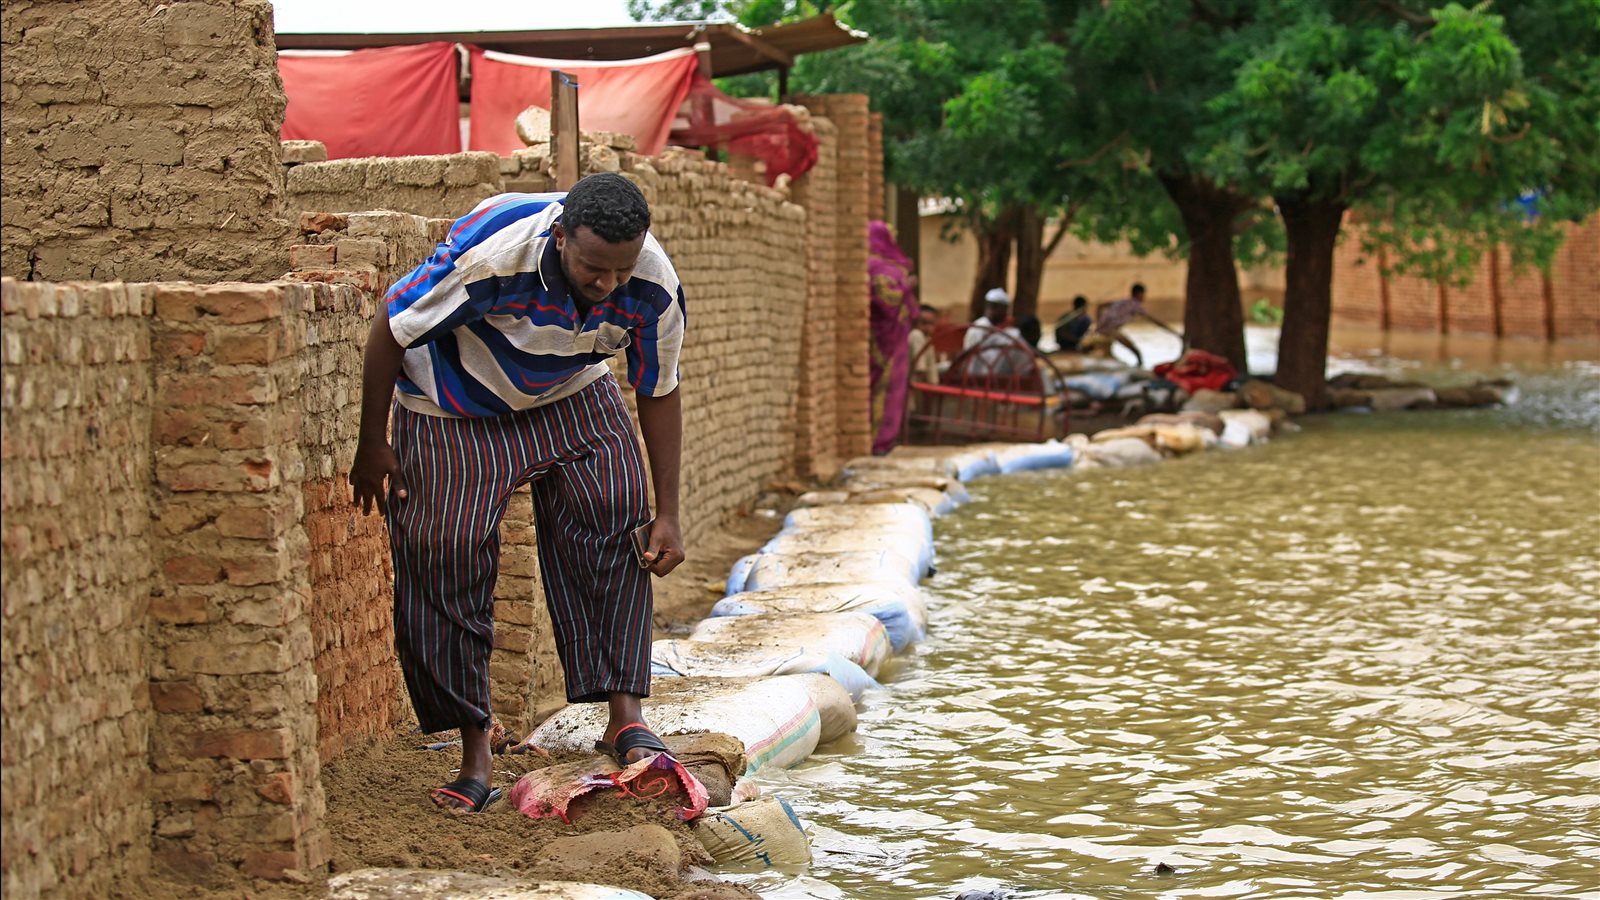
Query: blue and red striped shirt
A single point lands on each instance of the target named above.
(490, 326)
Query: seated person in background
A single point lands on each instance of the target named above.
(924, 366)
(987, 333)
(1071, 327)
(1031, 330)
(1111, 318)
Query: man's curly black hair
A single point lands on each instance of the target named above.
(607, 204)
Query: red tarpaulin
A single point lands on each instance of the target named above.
(389, 101)
(769, 133)
(634, 96)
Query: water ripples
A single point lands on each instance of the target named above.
(1360, 661)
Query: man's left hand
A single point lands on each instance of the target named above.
(666, 546)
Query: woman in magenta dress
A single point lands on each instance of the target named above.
(894, 313)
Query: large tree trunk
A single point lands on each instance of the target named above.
(1030, 263)
(1312, 227)
(994, 238)
(1213, 314)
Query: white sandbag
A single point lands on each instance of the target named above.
(835, 708)
(774, 718)
(763, 834)
(1096, 385)
(1255, 423)
(779, 570)
(384, 884)
(904, 518)
(1051, 454)
(935, 503)
(740, 573)
(1123, 452)
(674, 658)
(836, 539)
(901, 609)
(974, 464)
(855, 636)
(869, 466)
(1183, 438)
(821, 498)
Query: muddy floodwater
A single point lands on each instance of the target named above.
(1361, 661)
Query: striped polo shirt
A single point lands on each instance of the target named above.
(490, 327)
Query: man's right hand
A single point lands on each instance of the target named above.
(375, 461)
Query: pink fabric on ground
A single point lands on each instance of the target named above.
(546, 793)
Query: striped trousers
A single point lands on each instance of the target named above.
(581, 457)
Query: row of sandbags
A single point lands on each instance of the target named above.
(809, 621)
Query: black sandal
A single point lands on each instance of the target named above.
(637, 736)
(477, 795)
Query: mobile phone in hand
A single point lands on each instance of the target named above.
(641, 542)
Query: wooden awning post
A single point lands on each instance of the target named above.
(564, 135)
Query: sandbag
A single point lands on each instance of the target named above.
(775, 718)
(1096, 385)
(835, 709)
(869, 466)
(865, 537)
(856, 636)
(935, 503)
(780, 570)
(1050, 454)
(672, 658)
(1183, 438)
(740, 573)
(371, 884)
(912, 521)
(763, 833)
(900, 609)
(1122, 452)
(1257, 424)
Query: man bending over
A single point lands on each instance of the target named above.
(493, 353)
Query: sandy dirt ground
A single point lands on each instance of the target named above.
(379, 815)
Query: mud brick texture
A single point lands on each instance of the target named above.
(141, 141)
(849, 114)
(1500, 299)
(445, 186)
(196, 617)
(77, 577)
(238, 379)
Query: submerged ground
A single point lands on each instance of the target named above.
(1362, 659)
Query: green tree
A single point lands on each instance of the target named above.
(1432, 119)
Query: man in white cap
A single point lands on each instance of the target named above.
(989, 331)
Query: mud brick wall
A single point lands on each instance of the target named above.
(1575, 283)
(875, 202)
(141, 141)
(233, 748)
(1499, 299)
(435, 186)
(817, 452)
(360, 692)
(849, 114)
(76, 578)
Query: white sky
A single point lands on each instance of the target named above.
(383, 16)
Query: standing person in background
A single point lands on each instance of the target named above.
(894, 312)
(1111, 318)
(493, 354)
(1071, 327)
(924, 366)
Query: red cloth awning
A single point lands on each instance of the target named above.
(633, 96)
(391, 101)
